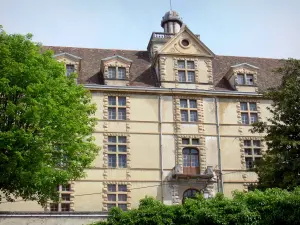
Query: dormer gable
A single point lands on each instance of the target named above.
(71, 62)
(243, 77)
(116, 70)
(185, 42)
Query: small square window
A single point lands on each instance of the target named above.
(122, 148)
(191, 76)
(122, 139)
(66, 187)
(247, 142)
(249, 79)
(112, 161)
(253, 117)
(110, 206)
(240, 79)
(252, 106)
(122, 101)
(249, 162)
(122, 114)
(53, 207)
(112, 113)
(190, 65)
(183, 103)
(112, 139)
(122, 188)
(70, 69)
(123, 206)
(184, 115)
(181, 64)
(122, 160)
(193, 116)
(256, 143)
(195, 141)
(122, 197)
(111, 197)
(112, 72)
(181, 76)
(65, 207)
(248, 151)
(65, 197)
(121, 73)
(193, 104)
(111, 187)
(112, 148)
(112, 100)
(257, 151)
(245, 118)
(185, 141)
(244, 106)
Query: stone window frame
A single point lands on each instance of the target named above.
(188, 109)
(117, 73)
(105, 192)
(239, 111)
(177, 69)
(249, 113)
(117, 144)
(106, 106)
(106, 152)
(116, 64)
(186, 70)
(245, 72)
(59, 204)
(242, 149)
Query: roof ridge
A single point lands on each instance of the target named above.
(249, 57)
(112, 49)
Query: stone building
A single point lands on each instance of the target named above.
(174, 120)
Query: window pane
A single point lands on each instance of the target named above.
(112, 113)
(122, 114)
(244, 106)
(256, 143)
(111, 100)
(122, 188)
(184, 115)
(112, 72)
(240, 79)
(69, 69)
(190, 65)
(249, 163)
(122, 148)
(191, 76)
(121, 73)
(195, 141)
(249, 79)
(112, 139)
(112, 148)
(186, 160)
(122, 101)
(65, 207)
(53, 207)
(65, 197)
(185, 141)
(248, 151)
(110, 205)
(252, 106)
(122, 139)
(181, 76)
(123, 206)
(122, 161)
(112, 163)
(66, 187)
(122, 197)
(194, 160)
(111, 187)
(111, 197)
(257, 151)
(183, 103)
(181, 64)
(193, 104)
(247, 142)
(245, 118)
(193, 116)
(253, 117)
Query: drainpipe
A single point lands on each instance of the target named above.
(161, 149)
(220, 183)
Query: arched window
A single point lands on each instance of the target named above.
(190, 161)
(190, 193)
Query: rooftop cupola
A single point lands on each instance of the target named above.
(171, 22)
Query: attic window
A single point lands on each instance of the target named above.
(245, 79)
(118, 73)
(185, 42)
(70, 69)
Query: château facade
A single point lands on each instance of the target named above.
(174, 120)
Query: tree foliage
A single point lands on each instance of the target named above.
(280, 167)
(272, 207)
(46, 122)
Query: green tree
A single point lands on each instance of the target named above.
(46, 122)
(280, 167)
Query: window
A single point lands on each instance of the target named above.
(117, 73)
(116, 108)
(70, 69)
(190, 141)
(117, 196)
(249, 112)
(188, 110)
(65, 199)
(117, 152)
(186, 71)
(245, 79)
(252, 149)
(190, 193)
(190, 161)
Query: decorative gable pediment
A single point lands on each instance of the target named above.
(185, 42)
(67, 57)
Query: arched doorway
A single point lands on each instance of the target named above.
(191, 161)
(190, 193)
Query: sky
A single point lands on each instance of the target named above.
(254, 28)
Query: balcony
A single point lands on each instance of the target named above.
(180, 172)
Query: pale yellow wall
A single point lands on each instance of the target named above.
(211, 151)
(230, 187)
(167, 109)
(230, 152)
(20, 205)
(209, 110)
(265, 113)
(144, 107)
(227, 111)
(246, 88)
(143, 189)
(168, 144)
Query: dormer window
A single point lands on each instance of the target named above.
(117, 73)
(186, 71)
(70, 68)
(245, 79)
